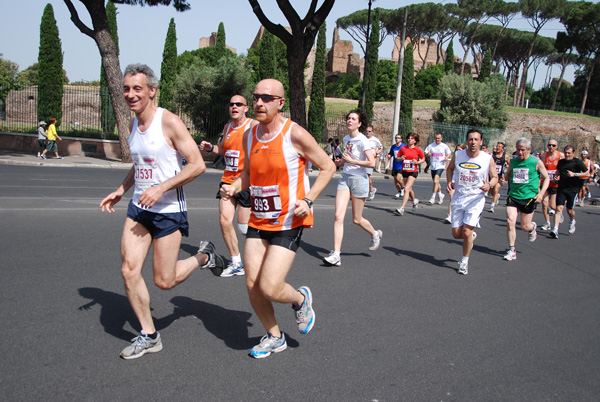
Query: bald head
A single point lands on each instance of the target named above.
(270, 86)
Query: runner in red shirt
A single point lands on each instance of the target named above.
(411, 156)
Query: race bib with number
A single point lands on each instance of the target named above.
(266, 202)
(232, 160)
(468, 178)
(551, 174)
(408, 165)
(499, 169)
(521, 175)
(144, 174)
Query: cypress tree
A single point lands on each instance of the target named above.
(220, 45)
(50, 71)
(449, 62)
(372, 60)
(486, 66)
(107, 113)
(266, 55)
(168, 69)
(408, 88)
(316, 108)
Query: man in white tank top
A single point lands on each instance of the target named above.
(468, 174)
(157, 212)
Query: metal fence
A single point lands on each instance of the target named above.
(82, 117)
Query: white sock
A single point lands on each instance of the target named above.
(493, 204)
(237, 258)
(465, 259)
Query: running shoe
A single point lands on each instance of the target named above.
(551, 211)
(398, 195)
(562, 218)
(463, 268)
(510, 255)
(268, 344)
(43, 157)
(546, 226)
(491, 208)
(533, 234)
(415, 204)
(441, 199)
(572, 226)
(305, 315)
(141, 345)
(474, 235)
(402, 193)
(215, 261)
(333, 259)
(233, 269)
(448, 220)
(400, 211)
(372, 194)
(554, 234)
(58, 157)
(431, 200)
(376, 240)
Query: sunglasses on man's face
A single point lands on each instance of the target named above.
(551, 145)
(238, 104)
(265, 97)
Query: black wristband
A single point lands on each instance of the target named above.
(308, 201)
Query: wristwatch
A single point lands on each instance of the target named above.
(308, 201)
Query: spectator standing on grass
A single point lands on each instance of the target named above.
(52, 136)
(42, 138)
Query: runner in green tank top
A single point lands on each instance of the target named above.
(523, 174)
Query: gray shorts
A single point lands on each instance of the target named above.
(357, 184)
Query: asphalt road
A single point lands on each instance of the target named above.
(395, 324)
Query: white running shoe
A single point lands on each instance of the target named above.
(233, 269)
(333, 259)
(572, 226)
(491, 208)
(398, 195)
(402, 193)
(415, 204)
(376, 240)
(448, 219)
(510, 255)
(546, 226)
(400, 211)
(533, 234)
(431, 200)
(463, 268)
(441, 199)
(474, 235)
(551, 211)
(371, 194)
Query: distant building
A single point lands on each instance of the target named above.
(211, 41)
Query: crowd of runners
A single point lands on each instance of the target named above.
(266, 188)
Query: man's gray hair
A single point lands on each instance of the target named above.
(138, 68)
(524, 141)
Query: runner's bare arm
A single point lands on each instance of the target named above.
(449, 174)
(108, 203)
(544, 173)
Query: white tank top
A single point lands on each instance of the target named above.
(154, 161)
(470, 173)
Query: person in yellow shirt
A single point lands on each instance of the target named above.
(52, 136)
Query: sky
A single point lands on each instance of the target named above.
(142, 31)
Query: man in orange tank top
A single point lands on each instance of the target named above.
(550, 159)
(231, 147)
(277, 153)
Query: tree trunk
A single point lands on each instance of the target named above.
(114, 78)
(587, 85)
(297, 91)
(562, 74)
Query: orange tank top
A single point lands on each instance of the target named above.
(234, 151)
(278, 177)
(551, 168)
(588, 165)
